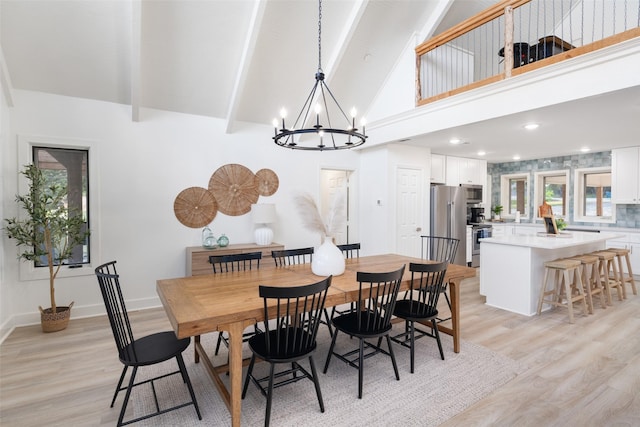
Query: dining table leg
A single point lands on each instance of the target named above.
(235, 371)
(454, 331)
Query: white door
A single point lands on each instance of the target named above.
(409, 211)
(336, 184)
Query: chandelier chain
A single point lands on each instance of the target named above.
(320, 35)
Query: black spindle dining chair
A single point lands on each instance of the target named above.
(290, 337)
(145, 351)
(420, 304)
(371, 319)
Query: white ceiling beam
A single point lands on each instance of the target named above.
(255, 23)
(5, 80)
(136, 35)
(346, 34)
(439, 12)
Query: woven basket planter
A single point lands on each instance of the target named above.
(53, 322)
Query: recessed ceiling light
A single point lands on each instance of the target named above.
(481, 153)
(454, 141)
(516, 157)
(531, 126)
(585, 149)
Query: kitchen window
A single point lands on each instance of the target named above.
(592, 195)
(552, 187)
(514, 194)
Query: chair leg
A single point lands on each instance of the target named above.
(124, 371)
(437, 334)
(411, 344)
(360, 367)
(127, 395)
(333, 344)
(316, 382)
(328, 319)
(185, 377)
(267, 415)
(393, 358)
(218, 343)
(249, 372)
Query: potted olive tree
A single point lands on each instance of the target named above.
(48, 233)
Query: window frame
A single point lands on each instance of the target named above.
(538, 191)
(578, 196)
(26, 143)
(505, 196)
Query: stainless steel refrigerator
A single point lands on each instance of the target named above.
(449, 217)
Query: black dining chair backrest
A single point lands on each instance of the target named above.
(296, 312)
(426, 285)
(439, 248)
(377, 295)
(350, 250)
(292, 256)
(235, 262)
(108, 280)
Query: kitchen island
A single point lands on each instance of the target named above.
(512, 267)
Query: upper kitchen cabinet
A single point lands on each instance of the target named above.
(625, 171)
(438, 167)
(466, 171)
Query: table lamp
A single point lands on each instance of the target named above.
(263, 214)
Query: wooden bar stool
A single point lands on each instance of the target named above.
(628, 277)
(591, 279)
(609, 274)
(562, 294)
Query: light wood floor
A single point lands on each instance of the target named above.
(586, 374)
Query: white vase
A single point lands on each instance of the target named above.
(327, 259)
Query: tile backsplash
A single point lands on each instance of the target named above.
(627, 216)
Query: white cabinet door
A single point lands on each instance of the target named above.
(625, 174)
(453, 171)
(438, 168)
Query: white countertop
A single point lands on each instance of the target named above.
(565, 240)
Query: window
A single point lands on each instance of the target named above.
(73, 160)
(551, 187)
(514, 195)
(69, 168)
(593, 195)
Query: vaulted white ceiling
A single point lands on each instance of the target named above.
(238, 60)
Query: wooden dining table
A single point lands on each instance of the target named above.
(230, 302)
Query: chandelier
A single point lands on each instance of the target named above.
(322, 135)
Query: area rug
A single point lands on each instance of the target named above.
(438, 390)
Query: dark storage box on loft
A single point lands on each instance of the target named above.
(549, 46)
(522, 54)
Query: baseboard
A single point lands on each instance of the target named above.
(78, 312)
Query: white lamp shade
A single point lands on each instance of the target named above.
(264, 213)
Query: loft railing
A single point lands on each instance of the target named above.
(516, 36)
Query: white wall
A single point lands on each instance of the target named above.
(378, 170)
(142, 166)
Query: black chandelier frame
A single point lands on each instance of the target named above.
(330, 138)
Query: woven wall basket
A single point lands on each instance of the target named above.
(267, 182)
(54, 322)
(234, 188)
(195, 207)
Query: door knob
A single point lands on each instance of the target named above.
(419, 229)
